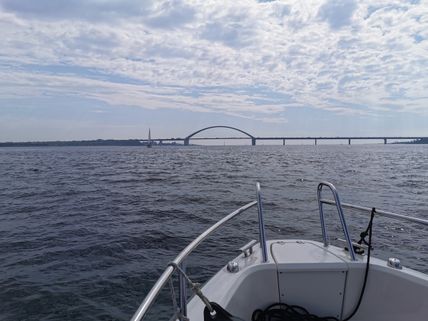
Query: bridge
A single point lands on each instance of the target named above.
(254, 139)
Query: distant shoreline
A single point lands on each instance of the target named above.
(416, 141)
(95, 142)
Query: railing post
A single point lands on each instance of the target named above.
(262, 234)
(322, 221)
(341, 217)
(182, 285)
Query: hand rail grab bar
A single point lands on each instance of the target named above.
(151, 296)
(379, 212)
(341, 217)
(262, 233)
(182, 286)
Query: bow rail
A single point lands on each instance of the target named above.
(395, 216)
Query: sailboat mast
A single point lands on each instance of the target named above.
(149, 143)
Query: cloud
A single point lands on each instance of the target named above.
(255, 60)
(91, 10)
(230, 34)
(337, 13)
(170, 14)
(159, 14)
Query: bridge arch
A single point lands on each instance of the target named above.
(187, 139)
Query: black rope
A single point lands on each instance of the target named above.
(364, 234)
(368, 232)
(285, 312)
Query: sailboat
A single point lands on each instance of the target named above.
(149, 143)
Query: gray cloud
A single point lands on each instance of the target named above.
(233, 28)
(166, 14)
(171, 14)
(230, 34)
(75, 9)
(337, 13)
(92, 41)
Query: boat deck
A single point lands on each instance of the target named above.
(322, 279)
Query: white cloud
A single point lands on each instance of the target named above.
(243, 58)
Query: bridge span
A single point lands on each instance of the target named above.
(187, 139)
(254, 139)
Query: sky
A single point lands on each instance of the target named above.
(91, 69)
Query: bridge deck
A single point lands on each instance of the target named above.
(298, 138)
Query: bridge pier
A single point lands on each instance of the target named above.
(349, 141)
(385, 141)
(253, 141)
(316, 142)
(283, 142)
(186, 142)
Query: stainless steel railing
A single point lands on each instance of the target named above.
(180, 259)
(395, 216)
(262, 233)
(336, 202)
(341, 217)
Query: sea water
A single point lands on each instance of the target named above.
(85, 232)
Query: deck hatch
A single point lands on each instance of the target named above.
(310, 276)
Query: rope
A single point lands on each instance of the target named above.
(196, 287)
(368, 232)
(173, 297)
(178, 314)
(285, 312)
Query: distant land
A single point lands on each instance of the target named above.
(416, 141)
(96, 142)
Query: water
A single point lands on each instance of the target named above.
(85, 232)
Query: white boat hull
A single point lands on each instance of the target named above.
(321, 279)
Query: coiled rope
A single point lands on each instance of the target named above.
(285, 312)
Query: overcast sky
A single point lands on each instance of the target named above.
(84, 69)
